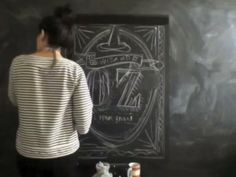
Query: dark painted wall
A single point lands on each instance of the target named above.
(202, 96)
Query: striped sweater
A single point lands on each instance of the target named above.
(54, 105)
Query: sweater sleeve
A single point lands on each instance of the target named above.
(11, 89)
(82, 105)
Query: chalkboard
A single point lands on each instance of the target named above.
(125, 61)
(201, 133)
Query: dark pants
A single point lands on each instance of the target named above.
(58, 167)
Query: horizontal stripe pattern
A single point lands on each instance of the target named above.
(54, 105)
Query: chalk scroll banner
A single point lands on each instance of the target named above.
(125, 61)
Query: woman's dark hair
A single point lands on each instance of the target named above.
(59, 28)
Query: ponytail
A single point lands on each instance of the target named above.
(59, 28)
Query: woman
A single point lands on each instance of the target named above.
(53, 101)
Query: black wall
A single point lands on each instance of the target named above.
(202, 96)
